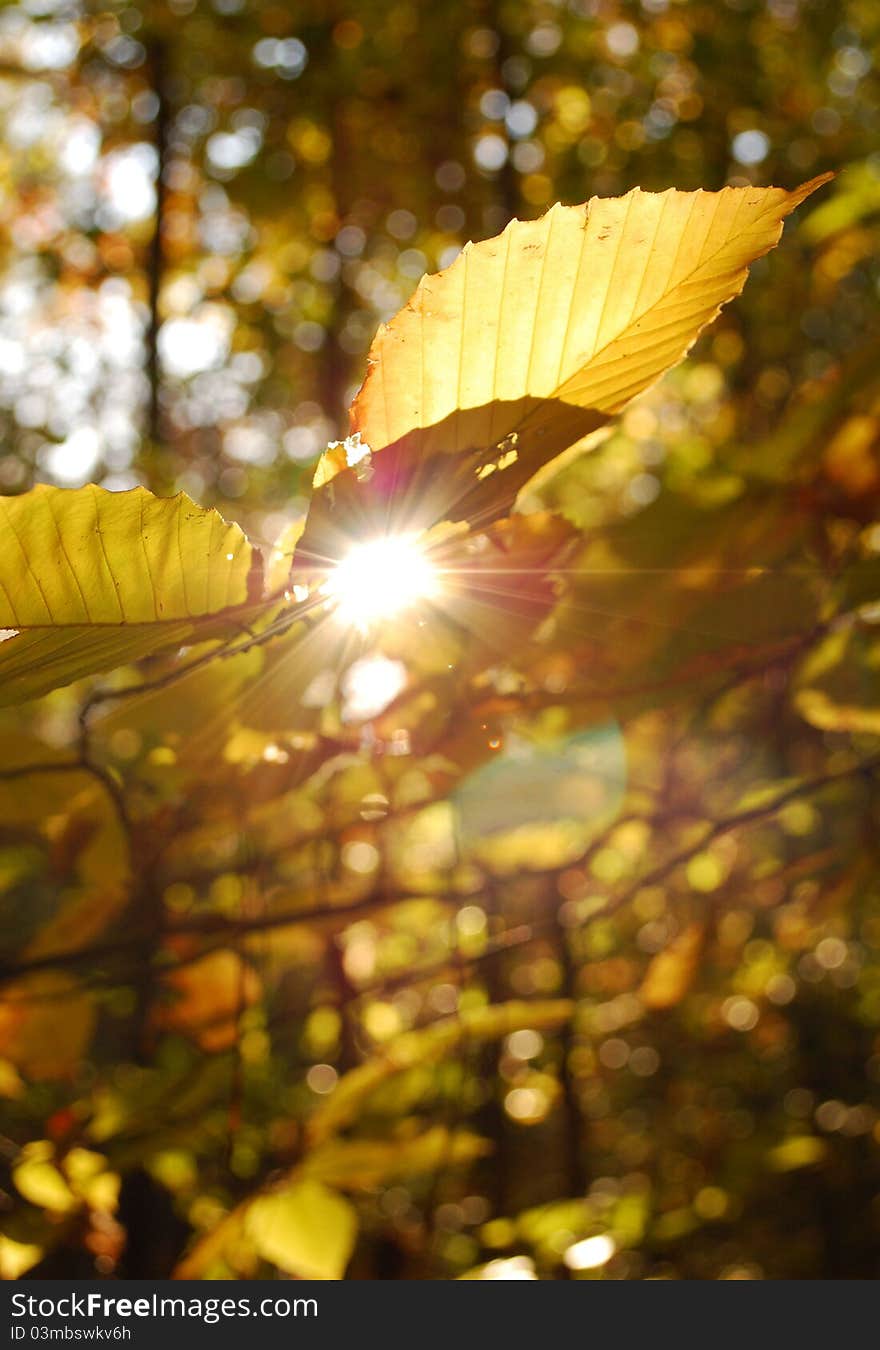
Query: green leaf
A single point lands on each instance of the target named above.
(91, 579)
(305, 1229)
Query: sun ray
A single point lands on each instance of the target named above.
(379, 579)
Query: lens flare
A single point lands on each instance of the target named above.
(591, 1252)
(379, 579)
(370, 685)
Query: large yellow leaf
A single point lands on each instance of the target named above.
(300, 1225)
(304, 1228)
(529, 342)
(90, 579)
(588, 305)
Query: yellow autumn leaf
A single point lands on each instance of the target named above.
(39, 1180)
(530, 341)
(17, 1257)
(588, 305)
(90, 579)
(304, 1228)
(672, 971)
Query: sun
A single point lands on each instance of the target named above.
(379, 579)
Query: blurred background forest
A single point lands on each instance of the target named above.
(547, 947)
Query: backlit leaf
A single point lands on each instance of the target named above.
(530, 341)
(91, 579)
(305, 1229)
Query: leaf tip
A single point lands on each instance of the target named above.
(812, 185)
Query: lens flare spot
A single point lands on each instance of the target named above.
(379, 579)
(369, 685)
(591, 1252)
